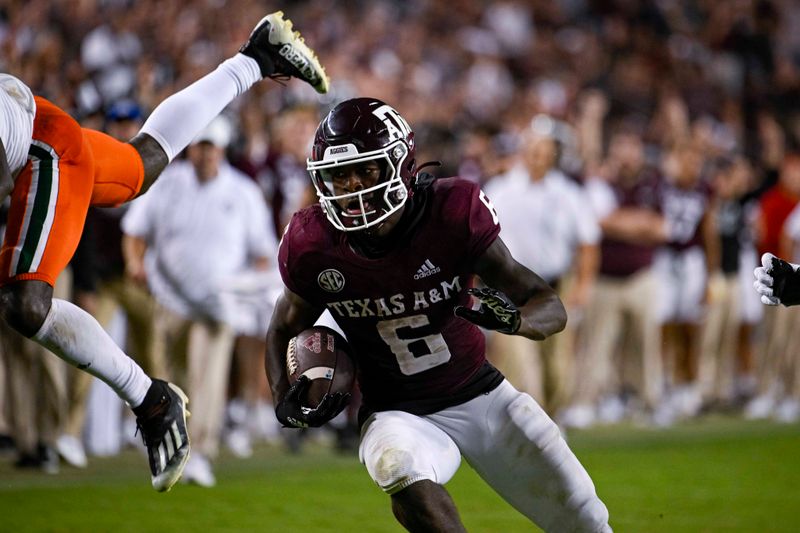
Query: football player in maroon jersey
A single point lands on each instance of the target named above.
(392, 254)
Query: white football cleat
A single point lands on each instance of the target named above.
(163, 427)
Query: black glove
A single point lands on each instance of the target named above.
(496, 311)
(292, 413)
(786, 282)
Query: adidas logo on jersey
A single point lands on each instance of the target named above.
(427, 269)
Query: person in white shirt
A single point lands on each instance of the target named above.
(48, 161)
(549, 226)
(205, 225)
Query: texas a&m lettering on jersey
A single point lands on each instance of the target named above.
(397, 310)
(397, 303)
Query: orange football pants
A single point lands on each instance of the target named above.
(69, 168)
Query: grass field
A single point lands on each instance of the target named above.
(716, 475)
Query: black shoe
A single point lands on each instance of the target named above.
(44, 458)
(162, 420)
(28, 460)
(6, 444)
(280, 52)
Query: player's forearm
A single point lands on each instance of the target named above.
(291, 316)
(275, 361)
(542, 316)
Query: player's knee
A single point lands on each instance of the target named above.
(396, 467)
(24, 310)
(393, 469)
(400, 449)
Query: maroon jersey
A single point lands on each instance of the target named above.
(684, 209)
(413, 353)
(621, 259)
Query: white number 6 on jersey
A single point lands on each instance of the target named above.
(409, 364)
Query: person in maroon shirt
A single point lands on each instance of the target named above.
(392, 253)
(682, 264)
(618, 362)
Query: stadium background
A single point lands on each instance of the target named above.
(468, 76)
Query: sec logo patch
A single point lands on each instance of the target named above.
(331, 280)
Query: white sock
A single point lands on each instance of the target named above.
(181, 117)
(76, 337)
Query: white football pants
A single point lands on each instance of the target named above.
(509, 441)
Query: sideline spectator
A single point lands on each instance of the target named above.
(101, 288)
(548, 224)
(725, 377)
(620, 345)
(682, 265)
(205, 224)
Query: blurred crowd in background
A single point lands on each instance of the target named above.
(672, 125)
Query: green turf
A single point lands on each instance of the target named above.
(719, 475)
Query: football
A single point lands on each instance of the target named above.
(322, 355)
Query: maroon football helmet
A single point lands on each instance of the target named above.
(357, 131)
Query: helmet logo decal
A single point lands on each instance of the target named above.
(397, 125)
(331, 280)
(341, 151)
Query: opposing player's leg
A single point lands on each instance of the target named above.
(123, 170)
(161, 418)
(272, 50)
(411, 459)
(518, 450)
(48, 208)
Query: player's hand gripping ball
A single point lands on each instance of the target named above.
(321, 374)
